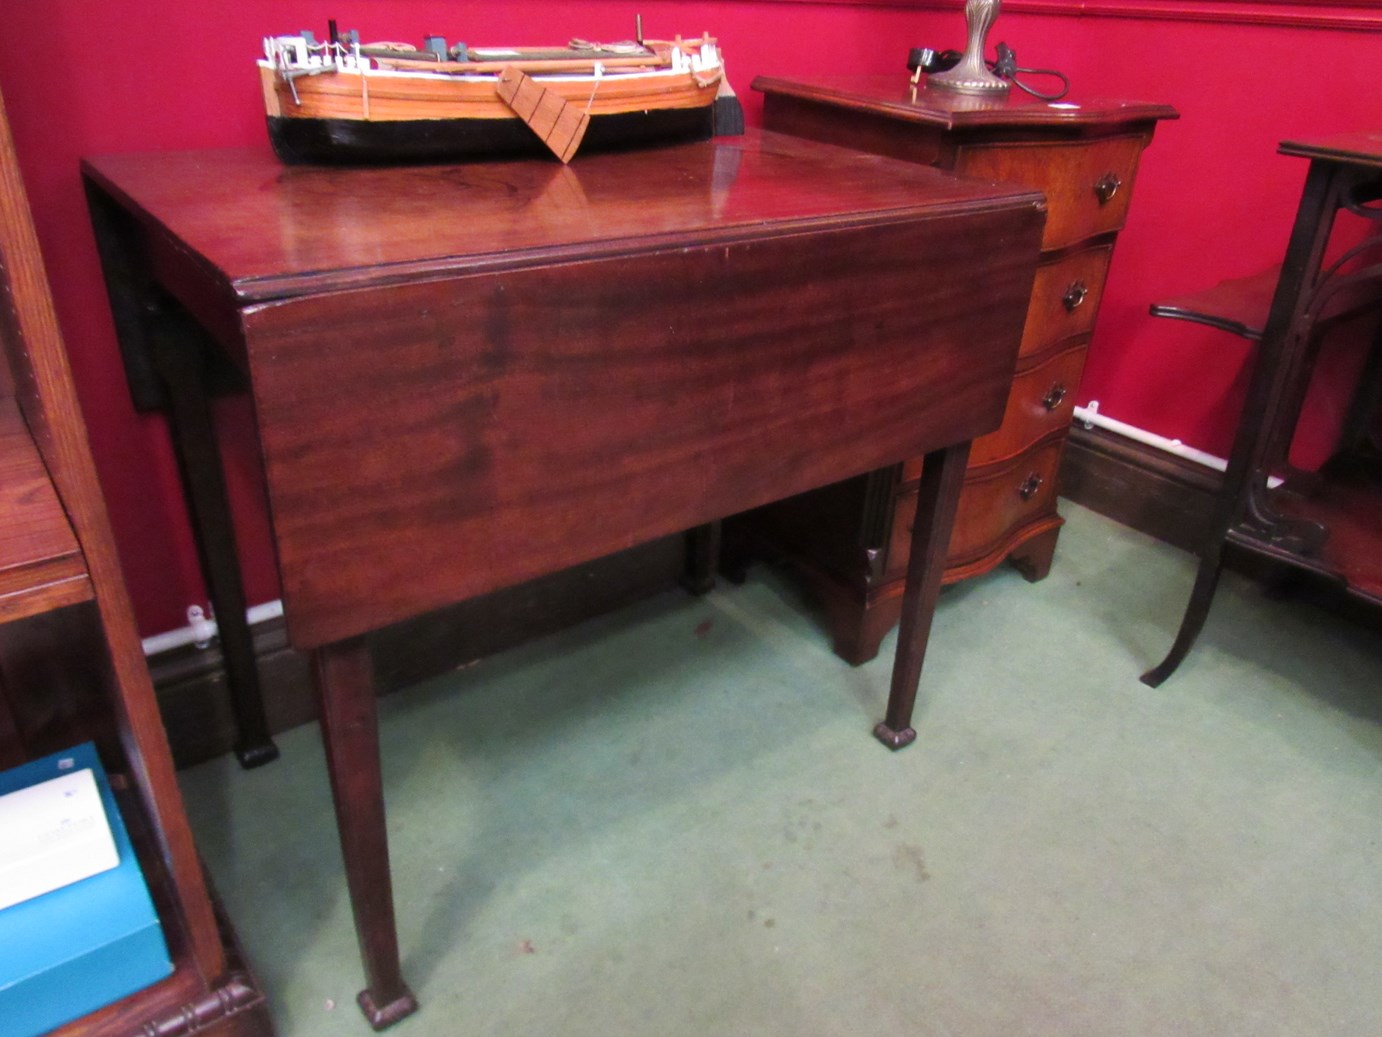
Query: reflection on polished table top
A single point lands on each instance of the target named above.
(466, 376)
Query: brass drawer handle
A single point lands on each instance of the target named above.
(1055, 397)
(1075, 296)
(1030, 486)
(1107, 187)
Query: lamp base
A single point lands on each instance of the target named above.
(968, 81)
(971, 75)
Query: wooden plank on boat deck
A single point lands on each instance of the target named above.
(560, 125)
(566, 135)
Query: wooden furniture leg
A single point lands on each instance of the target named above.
(857, 633)
(1033, 559)
(350, 732)
(938, 497)
(1196, 612)
(177, 357)
(702, 558)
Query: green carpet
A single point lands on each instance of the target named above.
(673, 820)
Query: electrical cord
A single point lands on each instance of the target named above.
(924, 59)
(1006, 67)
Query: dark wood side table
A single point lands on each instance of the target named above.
(467, 376)
(851, 540)
(1334, 528)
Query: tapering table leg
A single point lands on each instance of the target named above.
(938, 496)
(350, 732)
(179, 363)
(1196, 612)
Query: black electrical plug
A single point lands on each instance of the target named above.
(924, 59)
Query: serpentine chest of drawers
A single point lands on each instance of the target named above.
(851, 539)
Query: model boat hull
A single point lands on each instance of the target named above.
(356, 141)
(340, 102)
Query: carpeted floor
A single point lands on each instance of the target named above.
(673, 820)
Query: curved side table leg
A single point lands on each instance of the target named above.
(1196, 612)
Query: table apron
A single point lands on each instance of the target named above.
(428, 442)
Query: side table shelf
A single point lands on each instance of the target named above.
(1342, 501)
(71, 665)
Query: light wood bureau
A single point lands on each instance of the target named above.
(851, 539)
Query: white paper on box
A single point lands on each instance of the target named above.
(51, 835)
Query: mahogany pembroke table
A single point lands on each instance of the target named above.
(467, 376)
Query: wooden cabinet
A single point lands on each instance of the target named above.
(851, 540)
(71, 665)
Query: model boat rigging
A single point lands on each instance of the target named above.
(338, 100)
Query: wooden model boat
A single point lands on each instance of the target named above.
(341, 101)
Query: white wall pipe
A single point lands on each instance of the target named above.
(200, 628)
(1090, 417)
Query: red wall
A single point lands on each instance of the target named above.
(1213, 200)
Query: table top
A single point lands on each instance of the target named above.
(262, 230)
(469, 375)
(1363, 148)
(894, 96)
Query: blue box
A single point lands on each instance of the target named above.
(78, 948)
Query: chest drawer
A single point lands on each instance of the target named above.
(997, 505)
(1065, 298)
(1087, 184)
(1042, 400)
